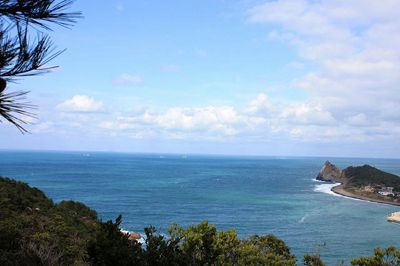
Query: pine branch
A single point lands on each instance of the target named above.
(21, 57)
(39, 12)
(15, 109)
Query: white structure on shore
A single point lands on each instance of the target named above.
(386, 191)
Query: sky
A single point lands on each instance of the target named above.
(245, 77)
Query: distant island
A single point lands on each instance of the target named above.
(363, 182)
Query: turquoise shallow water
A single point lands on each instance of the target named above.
(255, 195)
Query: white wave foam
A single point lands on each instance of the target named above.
(303, 219)
(327, 188)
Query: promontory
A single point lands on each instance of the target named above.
(363, 182)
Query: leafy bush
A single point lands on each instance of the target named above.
(382, 257)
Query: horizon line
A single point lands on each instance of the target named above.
(194, 154)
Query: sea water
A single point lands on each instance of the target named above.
(254, 195)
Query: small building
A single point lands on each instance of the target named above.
(386, 191)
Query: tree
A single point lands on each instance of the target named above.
(202, 244)
(313, 260)
(161, 250)
(20, 56)
(112, 247)
(382, 257)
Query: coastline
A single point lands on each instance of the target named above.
(341, 191)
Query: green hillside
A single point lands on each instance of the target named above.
(32, 227)
(367, 175)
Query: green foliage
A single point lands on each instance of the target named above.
(368, 175)
(264, 250)
(112, 247)
(196, 245)
(162, 251)
(199, 243)
(313, 260)
(202, 245)
(34, 230)
(17, 196)
(382, 257)
(227, 243)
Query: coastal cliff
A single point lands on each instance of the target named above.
(329, 173)
(363, 182)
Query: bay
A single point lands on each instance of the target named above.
(254, 195)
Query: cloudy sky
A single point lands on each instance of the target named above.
(285, 77)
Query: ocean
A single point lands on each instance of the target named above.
(254, 195)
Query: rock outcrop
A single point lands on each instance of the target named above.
(134, 236)
(330, 173)
(394, 217)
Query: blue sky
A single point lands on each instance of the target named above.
(313, 78)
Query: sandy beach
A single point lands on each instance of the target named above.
(341, 191)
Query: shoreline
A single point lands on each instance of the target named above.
(341, 191)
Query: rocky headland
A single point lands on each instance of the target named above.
(330, 173)
(363, 182)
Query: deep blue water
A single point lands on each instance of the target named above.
(255, 195)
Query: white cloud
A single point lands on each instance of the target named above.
(308, 114)
(260, 104)
(80, 103)
(261, 119)
(208, 122)
(352, 48)
(128, 80)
